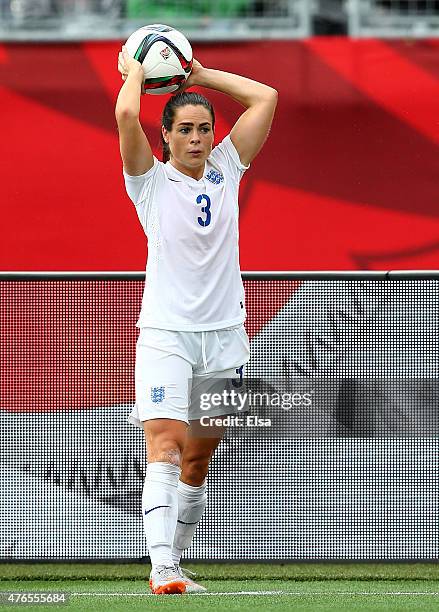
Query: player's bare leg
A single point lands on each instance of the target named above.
(201, 443)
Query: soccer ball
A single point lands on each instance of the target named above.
(166, 57)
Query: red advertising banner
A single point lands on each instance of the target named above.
(346, 180)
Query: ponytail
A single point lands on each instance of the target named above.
(166, 151)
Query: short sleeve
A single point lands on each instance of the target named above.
(141, 188)
(226, 155)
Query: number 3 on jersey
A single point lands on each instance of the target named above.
(205, 209)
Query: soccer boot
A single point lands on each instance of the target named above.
(165, 580)
(191, 585)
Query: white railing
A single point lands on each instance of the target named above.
(39, 20)
(393, 18)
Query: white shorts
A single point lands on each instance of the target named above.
(174, 368)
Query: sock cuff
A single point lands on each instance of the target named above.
(191, 491)
(160, 468)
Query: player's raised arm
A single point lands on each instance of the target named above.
(134, 146)
(251, 130)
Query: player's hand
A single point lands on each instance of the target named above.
(193, 77)
(127, 64)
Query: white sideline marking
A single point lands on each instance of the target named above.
(297, 593)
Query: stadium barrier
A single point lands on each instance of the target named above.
(347, 471)
(392, 18)
(56, 20)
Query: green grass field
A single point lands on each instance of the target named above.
(316, 587)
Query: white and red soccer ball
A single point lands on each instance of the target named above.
(166, 57)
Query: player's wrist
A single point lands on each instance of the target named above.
(201, 77)
(136, 74)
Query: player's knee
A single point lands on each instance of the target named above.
(164, 442)
(166, 452)
(194, 470)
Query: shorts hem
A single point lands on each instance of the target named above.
(138, 423)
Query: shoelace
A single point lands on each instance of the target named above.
(166, 572)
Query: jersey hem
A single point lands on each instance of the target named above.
(192, 328)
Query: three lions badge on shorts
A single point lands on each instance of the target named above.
(157, 394)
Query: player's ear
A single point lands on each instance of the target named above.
(165, 134)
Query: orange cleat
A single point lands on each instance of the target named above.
(165, 580)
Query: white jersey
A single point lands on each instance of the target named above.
(193, 280)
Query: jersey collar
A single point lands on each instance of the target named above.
(175, 174)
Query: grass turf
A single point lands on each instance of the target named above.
(316, 587)
(225, 571)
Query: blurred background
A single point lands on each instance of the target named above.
(350, 165)
(225, 19)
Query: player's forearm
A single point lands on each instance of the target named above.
(128, 100)
(245, 91)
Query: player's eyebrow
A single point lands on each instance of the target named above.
(190, 123)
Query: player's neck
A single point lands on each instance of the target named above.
(195, 173)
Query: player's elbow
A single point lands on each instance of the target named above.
(125, 115)
(272, 95)
(269, 96)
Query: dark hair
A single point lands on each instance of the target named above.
(179, 100)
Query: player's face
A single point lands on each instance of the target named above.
(191, 138)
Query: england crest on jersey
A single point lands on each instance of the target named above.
(214, 176)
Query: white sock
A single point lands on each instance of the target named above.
(191, 504)
(160, 510)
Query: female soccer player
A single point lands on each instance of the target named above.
(193, 311)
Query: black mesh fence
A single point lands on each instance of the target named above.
(346, 369)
